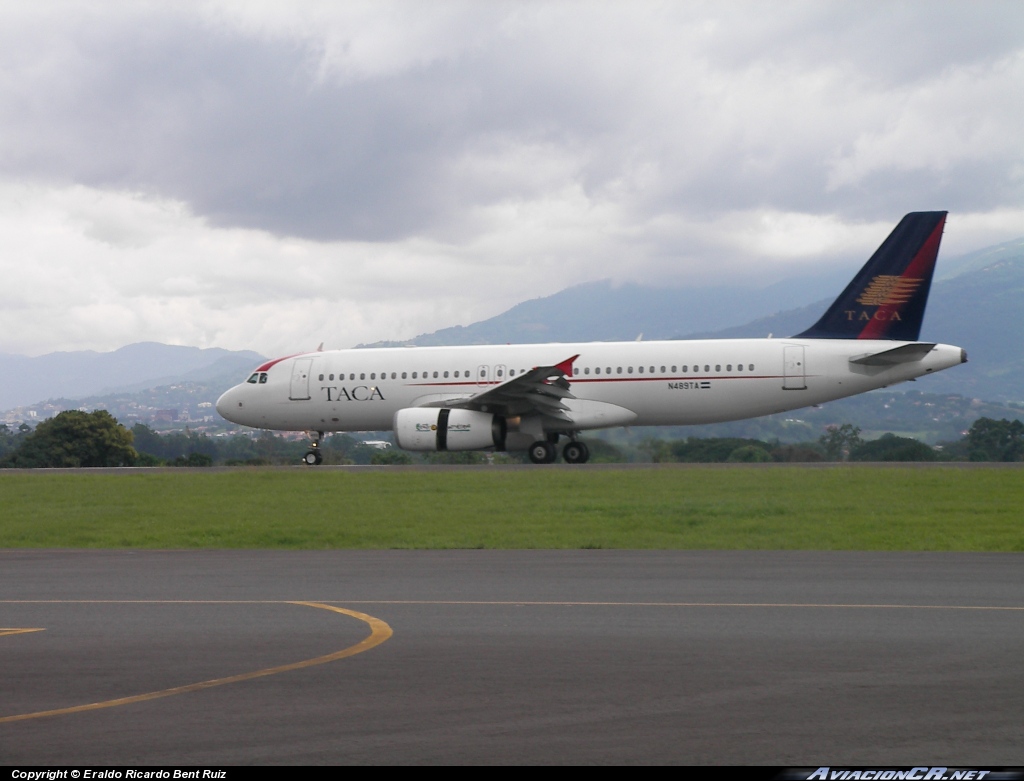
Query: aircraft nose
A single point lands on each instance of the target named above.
(230, 404)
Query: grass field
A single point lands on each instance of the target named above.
(840, 508)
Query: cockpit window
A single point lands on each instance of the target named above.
(255, 377)
(263, 378)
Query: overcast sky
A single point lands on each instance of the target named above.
(272, 176)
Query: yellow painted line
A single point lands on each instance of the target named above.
(10, 631)
(503, 603)
(379, 632)
(866, 606)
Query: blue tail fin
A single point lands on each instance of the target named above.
(886, 299)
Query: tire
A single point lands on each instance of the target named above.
(542, 452)
(576, 453)
(312, 458)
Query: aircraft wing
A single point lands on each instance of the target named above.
(540, 391)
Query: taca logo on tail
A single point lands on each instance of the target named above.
(886, 300)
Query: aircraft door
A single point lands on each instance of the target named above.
(794, 373)
(300, 379)
(483, 375)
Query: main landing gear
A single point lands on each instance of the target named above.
(545, 452)
(313, 456)
(576, 453)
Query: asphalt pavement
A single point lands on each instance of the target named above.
(522, 657)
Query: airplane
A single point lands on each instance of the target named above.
(529, 396)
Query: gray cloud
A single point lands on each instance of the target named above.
(244, 128)
(202, 176)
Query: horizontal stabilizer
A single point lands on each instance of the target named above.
(907, 353)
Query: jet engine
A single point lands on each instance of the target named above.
(427, 428)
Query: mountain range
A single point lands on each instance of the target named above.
(136, 367)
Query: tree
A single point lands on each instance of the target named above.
(194, 459)
(75, 439)
(657, 450)
(796, 453)
(890, 447)
(390, 458)
(749, 454)
(996, 440)
(839, 441)
(11, 440)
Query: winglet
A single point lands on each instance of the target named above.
(565, 367)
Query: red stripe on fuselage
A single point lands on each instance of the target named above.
(268, 364)
(918, 269)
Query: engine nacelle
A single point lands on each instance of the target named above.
(429, 428)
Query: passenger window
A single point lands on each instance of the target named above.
(587, 370)
(629, 370)
(403, 375)
(446, 375)
(456, 374)
(707, 368)
(393, 375)
(674, 369)
(641, 369)
(718, 367)
(597, 370)
(321, 378)
(414, 375)
(751, 367)
(728, 368)
(373, 375)
(435, 375)
(608, 370)
(618, 370)
(362, 376)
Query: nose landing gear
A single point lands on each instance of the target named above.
(313, 456)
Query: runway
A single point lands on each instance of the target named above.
(529, 657)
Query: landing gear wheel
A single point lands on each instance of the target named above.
(576, 453)
(313, 456)
(543, 452)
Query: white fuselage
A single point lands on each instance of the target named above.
(614, 383)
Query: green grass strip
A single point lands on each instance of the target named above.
(694, 508)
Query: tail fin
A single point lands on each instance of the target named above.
(887, 297)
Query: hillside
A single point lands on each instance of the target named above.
(78, 375)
